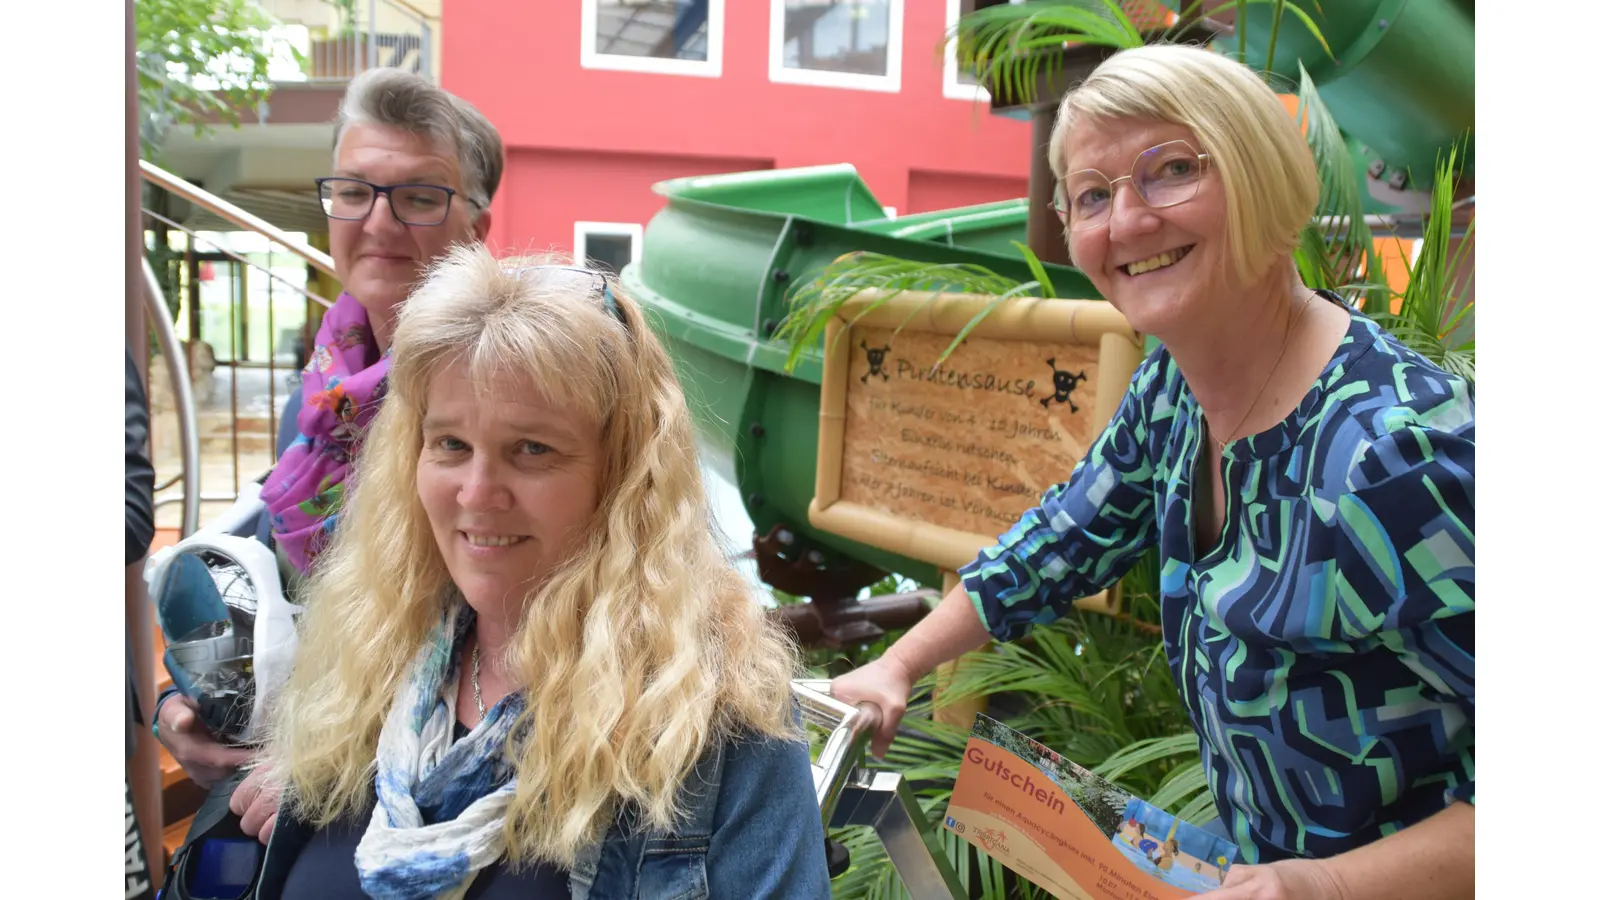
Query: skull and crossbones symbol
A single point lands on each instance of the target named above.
(1065, 383)
(875, 356)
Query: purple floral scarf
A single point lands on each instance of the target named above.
(341, 389)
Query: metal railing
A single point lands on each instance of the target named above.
(246, 221)
(377, 33)
(177, 358)
(189, 441)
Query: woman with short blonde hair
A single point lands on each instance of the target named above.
(524, 634)
(1306, 479)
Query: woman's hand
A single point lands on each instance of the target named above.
(1294, 879)
(1431, 860)
(884, 682)
(183, 734)
(255, 802)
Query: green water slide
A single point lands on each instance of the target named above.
(719, 258)
(1399, 80)
(715, 266)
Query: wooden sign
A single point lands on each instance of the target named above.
(935, 462)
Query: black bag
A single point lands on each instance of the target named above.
(217, 861)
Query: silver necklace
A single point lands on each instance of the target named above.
(477, 692)
(1273, 371)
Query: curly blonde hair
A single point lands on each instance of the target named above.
(639, 652)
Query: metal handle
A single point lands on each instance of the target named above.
(851, 795)
(850, 729)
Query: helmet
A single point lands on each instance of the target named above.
(229, 630)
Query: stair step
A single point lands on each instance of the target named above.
(172, 837)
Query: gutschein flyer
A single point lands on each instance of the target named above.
(1070, 831)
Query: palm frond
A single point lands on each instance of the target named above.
(813, 302)
(1181, 785)
(1186, 21)
(1028, 288)
(1037, 268)
(1010, 46)
(1328, 256)
(1432, 314)
(1143, 752)
(1200, 809)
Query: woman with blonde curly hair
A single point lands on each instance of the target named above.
(528, 669)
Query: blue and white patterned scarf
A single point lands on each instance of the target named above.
(426, 776)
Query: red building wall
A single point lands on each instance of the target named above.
(586, 144)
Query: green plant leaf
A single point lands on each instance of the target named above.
(991, 306)
(1432, 313)
(1200, 809)
(1181, 785)
(1046, 288)
(815, 301)
(1143, 752)
(1298, 13)
(1015, 47)
(198, 59)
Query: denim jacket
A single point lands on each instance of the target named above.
(751, 829)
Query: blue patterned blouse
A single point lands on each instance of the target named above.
(1324, 647)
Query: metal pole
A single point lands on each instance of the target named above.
(182, 398)
(372, 34)
(427, 49)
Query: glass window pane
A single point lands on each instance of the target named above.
(966, 7)
(609, 251)
(660, 29)
(850, 36)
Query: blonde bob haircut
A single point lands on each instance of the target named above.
(640, 651)
(1269, 178)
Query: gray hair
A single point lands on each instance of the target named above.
(398, 99)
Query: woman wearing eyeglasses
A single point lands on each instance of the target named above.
(415, 168)
(527, 668)
(1306, 480)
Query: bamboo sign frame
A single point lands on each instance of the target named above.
(933, 462)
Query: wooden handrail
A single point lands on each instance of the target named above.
(249, 222)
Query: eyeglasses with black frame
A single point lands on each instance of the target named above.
(352, 199)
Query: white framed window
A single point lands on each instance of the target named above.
(610, 245)
(837, 43)
(664, 37)
(958, 85)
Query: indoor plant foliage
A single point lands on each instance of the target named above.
(1015, 47)
(1091, 687)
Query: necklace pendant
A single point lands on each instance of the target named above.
(477, 691)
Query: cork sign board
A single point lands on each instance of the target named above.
(935, 462)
